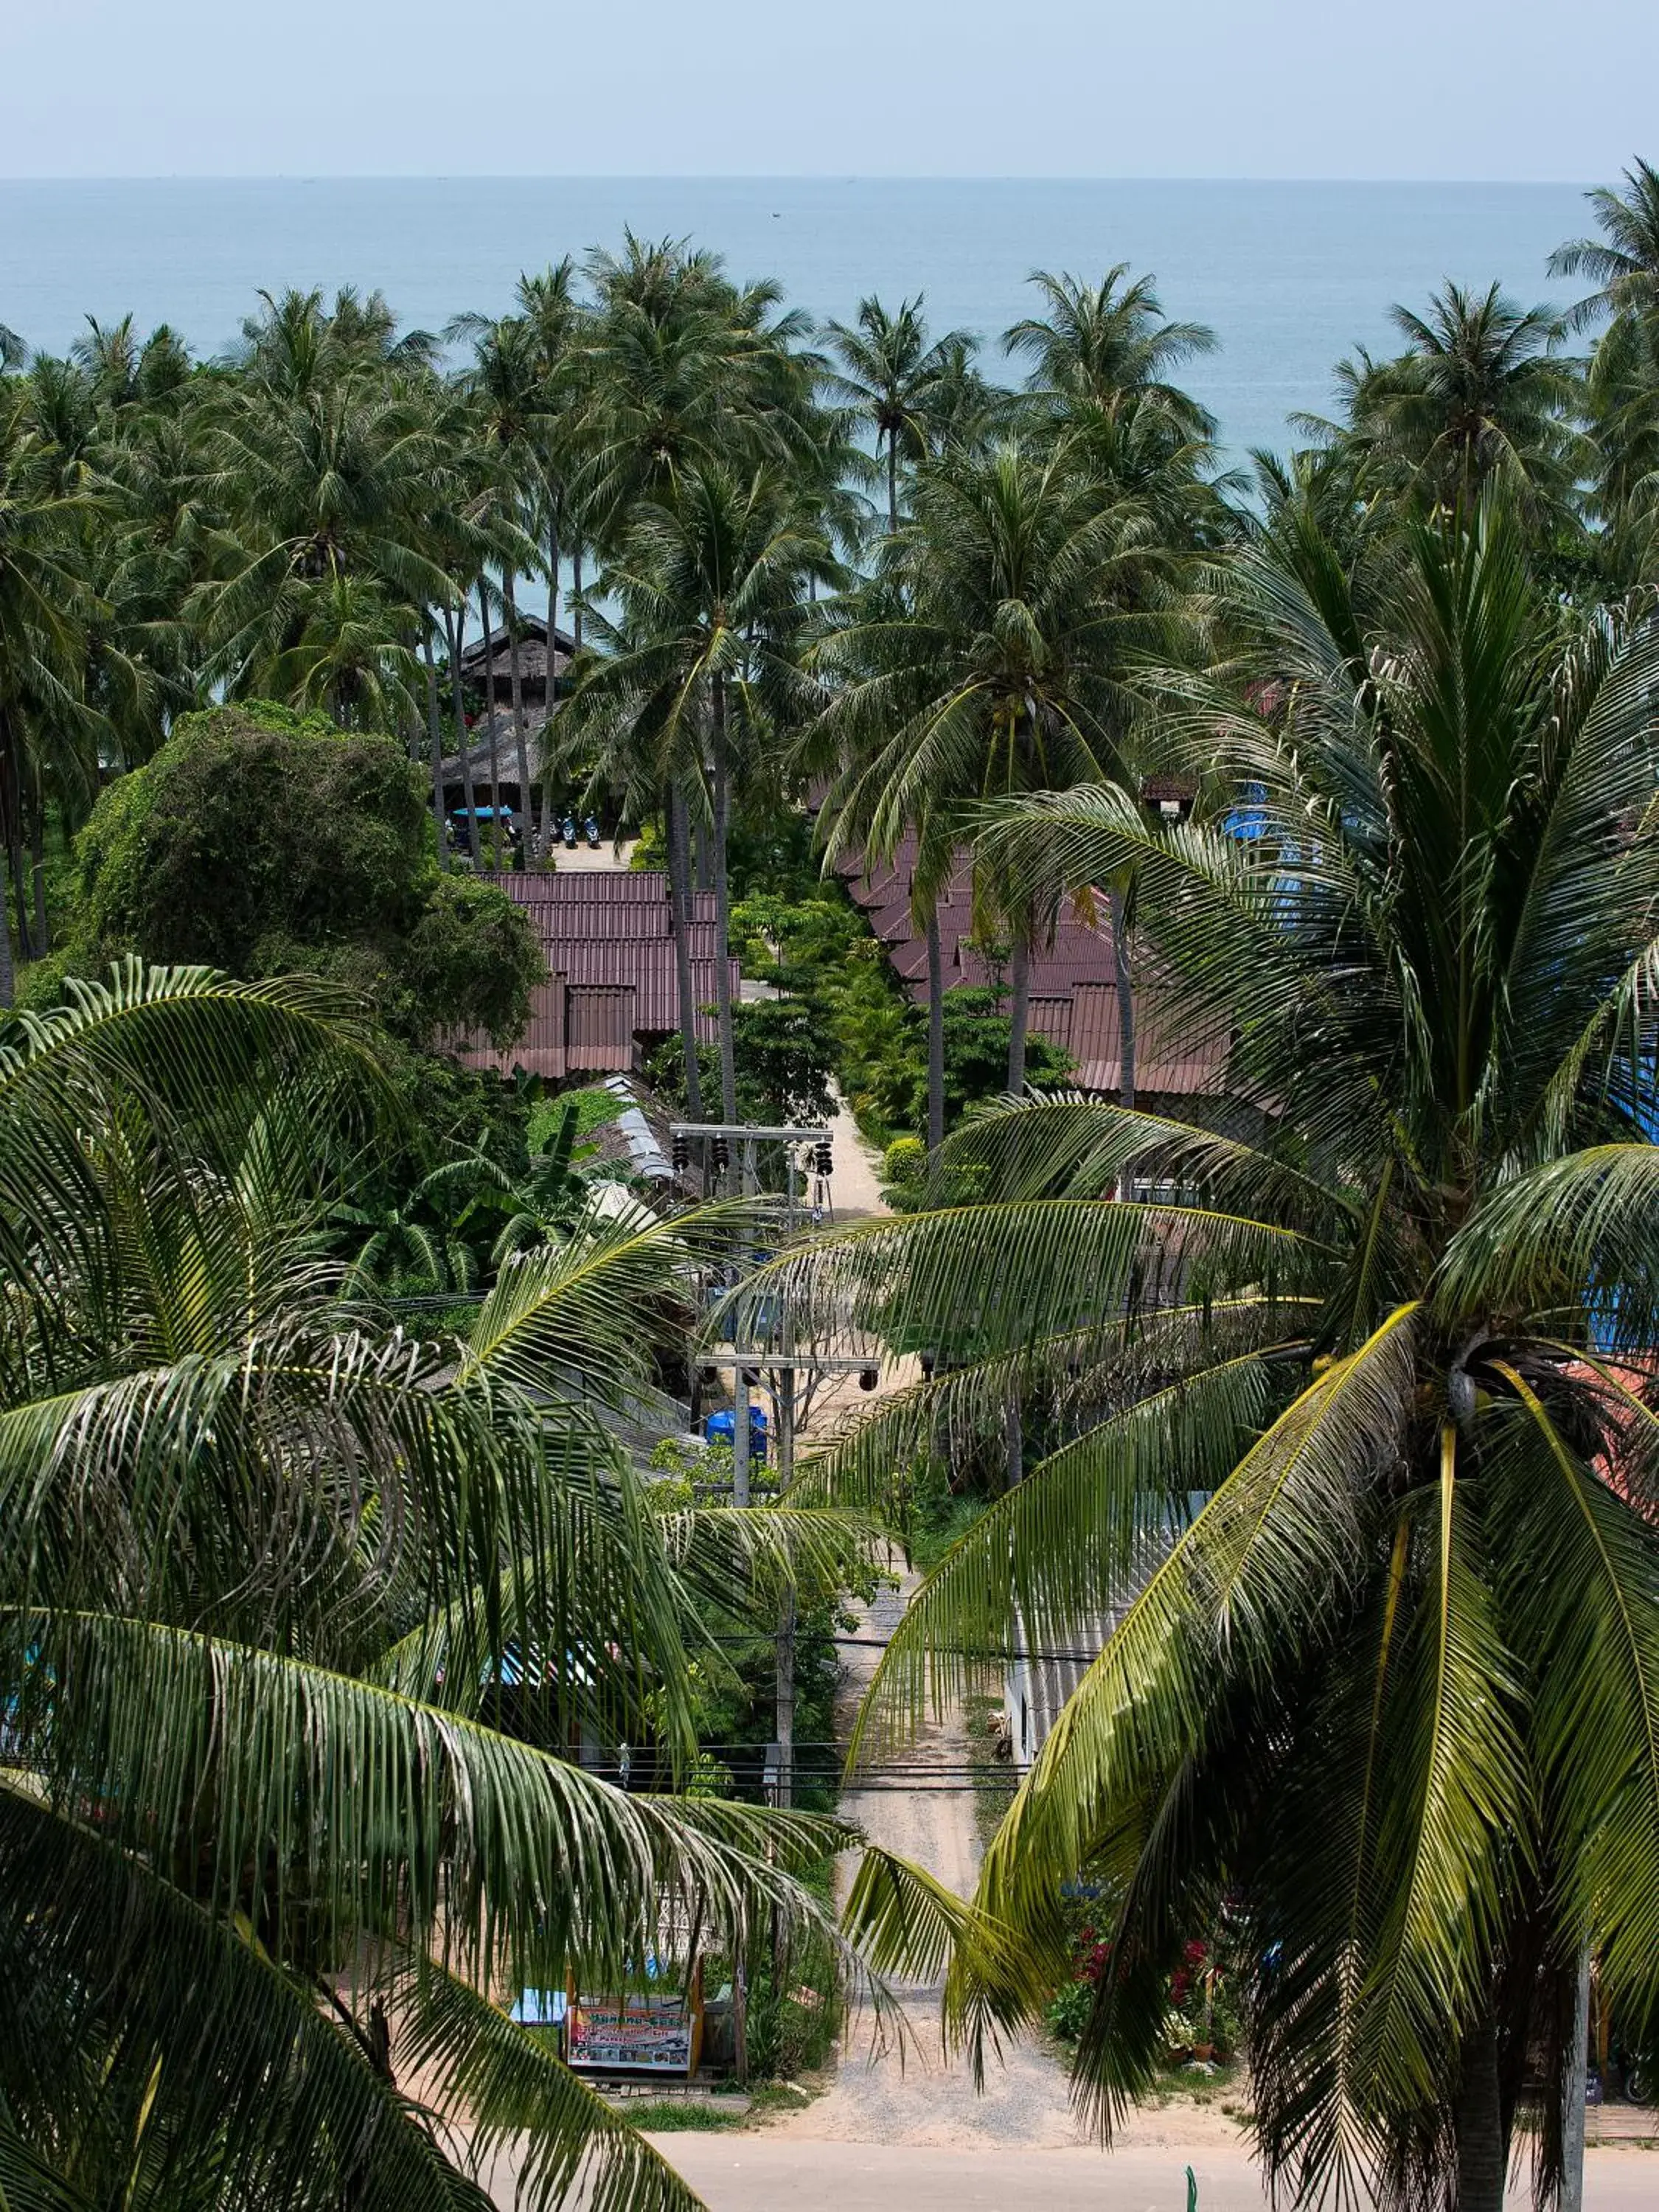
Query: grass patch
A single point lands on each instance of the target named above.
(671, 2116)
(1224, 2084)
(595, 1106)
(725, 2110)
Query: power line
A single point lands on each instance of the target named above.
(987, 1652)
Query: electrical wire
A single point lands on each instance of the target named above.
(987, 1652)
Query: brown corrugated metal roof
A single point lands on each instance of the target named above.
(602, 920)
(539, 1051)
(654, 981)
(1052, 1019)
(543, 887)
(591, 960)
(1072, 981)
(600, 1022)
(607, 937)
(893, 924)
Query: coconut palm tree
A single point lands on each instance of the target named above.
(1352, 1429)
(296, 344)
(557, 321)
(1479, 395)
(268, 1855)
(329, 482)
(1624, 262)
(700, 665)
(898, 382)
(43, 603)
(992, 657)
(1099, 385)
(352, 659)
(507, 386)
(1109, 345)
(683, 368)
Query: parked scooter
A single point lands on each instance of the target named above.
(593, 828)
(567, 831)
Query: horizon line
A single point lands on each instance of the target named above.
(755, 177)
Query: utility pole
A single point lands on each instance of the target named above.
(1573, 2087)
(717, 1137)
(778, 1359)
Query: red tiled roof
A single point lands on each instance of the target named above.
(540, 887)
(1073, 989)
(608, 940)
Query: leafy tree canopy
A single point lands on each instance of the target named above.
(263, 841)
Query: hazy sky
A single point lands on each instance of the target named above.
(1399, 89)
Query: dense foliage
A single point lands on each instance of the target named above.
(290, 1788)
(264, 843)
(1351, 1419)
(1337, 1397)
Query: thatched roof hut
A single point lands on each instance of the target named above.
(486, 665)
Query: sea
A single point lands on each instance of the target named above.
(1290, 276)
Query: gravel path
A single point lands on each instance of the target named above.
(855, 1186)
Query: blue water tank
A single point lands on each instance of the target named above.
(721, 1428)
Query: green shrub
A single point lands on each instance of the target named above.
(1066, 2015)
(904, 1164)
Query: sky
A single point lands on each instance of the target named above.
(1481, 89)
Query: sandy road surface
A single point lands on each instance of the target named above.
(773, 2173)
(909, 2093)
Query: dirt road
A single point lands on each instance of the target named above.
(910, 2093)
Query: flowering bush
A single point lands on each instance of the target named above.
(1201, 2016)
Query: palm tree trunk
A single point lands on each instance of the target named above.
(493, 729)
(519, 743)
(19, 882)
(11, 801)
(38, 869)
(679, 886)
(1019, 1010)
(553, 558)
(723, 909)
(576, 594)
(552, 632)
(1125, 1000)
(1482, 2149)
(892, 484)
(935, 1033)
(453, 628)
(435, 742)
(705, 873)
(8, 962)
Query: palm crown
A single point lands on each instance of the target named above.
(1624, 262)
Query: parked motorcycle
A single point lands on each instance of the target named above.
(592, 829)
(567, 831)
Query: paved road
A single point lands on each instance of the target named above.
(765, 2173)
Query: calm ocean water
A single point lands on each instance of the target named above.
(1290, 276)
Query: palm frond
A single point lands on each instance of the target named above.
(1263, 1569)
